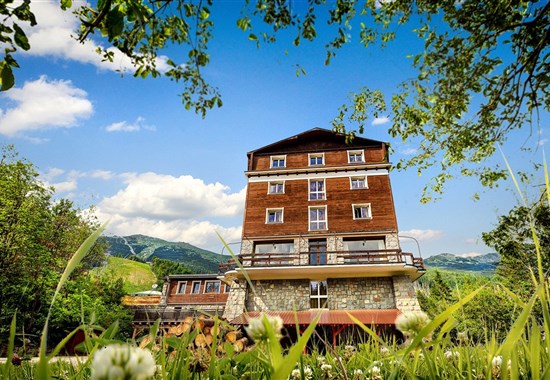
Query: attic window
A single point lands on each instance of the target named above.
(278, 161)
(355, 156)
(316, 159)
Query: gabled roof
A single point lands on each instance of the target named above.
(314, 140)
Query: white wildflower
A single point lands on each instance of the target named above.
(412, 322)
(296, 374)
(320, 360)
(119, 361)
(384, 351)
(327, 370)
(497, 361)
(375, 373)
(257, 327)
(449, 354)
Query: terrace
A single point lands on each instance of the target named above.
(366, 263)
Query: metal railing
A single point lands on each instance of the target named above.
(382, 256)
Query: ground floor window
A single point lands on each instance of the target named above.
(212, 287)
(318, 295)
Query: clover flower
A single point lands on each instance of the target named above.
(375, 373)
(327, 370)
(257, 327)
(121, 361)
(384, 351)
(449, 355)
(411, 323)
(357, 373)
(296, 374)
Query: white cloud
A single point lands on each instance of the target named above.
(423, 235)
(124, 126)
(199, 233)
(44, 104)
(100, 174)
(380, 120)
(173, 208)
(469, 254)
(408, 151)
(165, 197)
(53, 37)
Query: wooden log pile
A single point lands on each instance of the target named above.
(206, 329)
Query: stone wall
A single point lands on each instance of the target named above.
(360, 293)
(236, 300)
(278, 295)
(405, 295)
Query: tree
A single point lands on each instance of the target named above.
(513, 240)
(162, 268)
(483, 71)
(38, 235)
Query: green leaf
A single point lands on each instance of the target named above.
(20, 38)
(6, 77)
(253, 37)
(66, 4)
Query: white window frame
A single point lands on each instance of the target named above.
(193, 287)
(362, 205)
(318, 296)
(355, 178)
(276, 183)
(317, 221)
(272, 159)
(277, 209)
(215, 282)
(323, 193)
(180, 283)
(355, 153)
(316, 155)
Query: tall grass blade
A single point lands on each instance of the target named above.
(282, 371)
(11, 344)
(42, 367)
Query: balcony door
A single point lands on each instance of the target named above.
(318, 252)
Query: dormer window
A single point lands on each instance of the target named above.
(316, 159)
(355, 156)
(278, 162)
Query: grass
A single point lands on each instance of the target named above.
(137, 276)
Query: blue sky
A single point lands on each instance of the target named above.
(128, 146)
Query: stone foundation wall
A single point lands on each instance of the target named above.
(405, 295)
(278, 295)
(360, 293)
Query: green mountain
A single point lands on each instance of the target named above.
(146, 248)
(137, 276)
(481, 263)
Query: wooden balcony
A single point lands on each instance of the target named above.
(371, 263)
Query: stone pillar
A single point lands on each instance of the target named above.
(392, 242)
(236, 299)
(164, 295)
(405, 295)
(303, 248)
(247, 248)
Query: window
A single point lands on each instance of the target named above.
(227, 288)
(212, 287)
(364, 245)
(318, 295)
(316, 159)
(181, 287)
(276, 188)
(316, 189)
(317, 218)
(275, 247)
(362, 211)
(355, 156)
(274, 215)
(196, 287)
(358, 182)
(278, 161)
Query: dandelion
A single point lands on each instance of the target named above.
(411, 323)
(119, 361)
(257, 327)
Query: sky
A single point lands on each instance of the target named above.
(128, 147)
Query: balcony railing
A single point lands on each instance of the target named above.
(383, 256)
